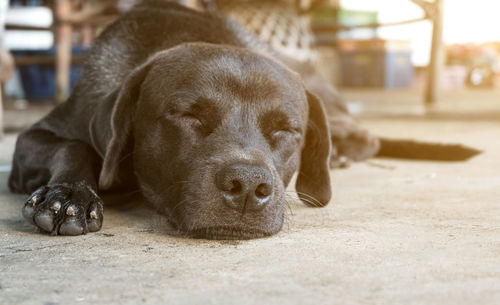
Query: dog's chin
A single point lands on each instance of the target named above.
(228, 225)
(227, 233)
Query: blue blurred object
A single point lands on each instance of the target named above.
(374, 63)
(38, 80)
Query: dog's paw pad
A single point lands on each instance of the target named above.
(73, 224)
(65, 209)
(45, 220)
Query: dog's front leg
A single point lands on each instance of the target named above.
(62, 176)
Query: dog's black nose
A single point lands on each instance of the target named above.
(245, 187)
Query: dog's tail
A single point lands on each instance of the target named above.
(409, 149)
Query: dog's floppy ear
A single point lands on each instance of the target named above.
(313, 180)
(122, 112)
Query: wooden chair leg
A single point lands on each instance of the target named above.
(63, 53)
(437, 55)
(4, 4)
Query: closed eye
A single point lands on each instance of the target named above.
(191, 116)
(277, 126)
(283, 134)
(204, 114)
(285, 130)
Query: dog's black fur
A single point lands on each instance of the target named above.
(174, 102)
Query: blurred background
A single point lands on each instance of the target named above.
(423, 58)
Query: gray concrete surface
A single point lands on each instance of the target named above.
(397, 232)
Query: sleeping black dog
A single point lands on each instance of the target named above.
(174, 102)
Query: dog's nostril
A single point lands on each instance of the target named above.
(263, 190)
(235, 187)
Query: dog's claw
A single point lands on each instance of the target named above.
(71, 211)
(34, 200)
(94, 222)
(56, 206)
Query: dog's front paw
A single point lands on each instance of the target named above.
(65, 209)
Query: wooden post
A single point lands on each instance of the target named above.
(4, 4)
(63, 52)
(437, 55)
(336, 6)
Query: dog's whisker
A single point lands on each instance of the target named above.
(178, 205)
(122, 159)
(304, 199)
(310, 199)
(293, 199)
(288, 208)
(309, 202)
(287, 215)
(133, 192)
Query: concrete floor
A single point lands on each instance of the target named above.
(397, 232)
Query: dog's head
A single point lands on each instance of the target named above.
(216, 134)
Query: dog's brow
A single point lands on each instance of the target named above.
(255, 85)
(176, 101)
(182, 95)
(277, 118)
